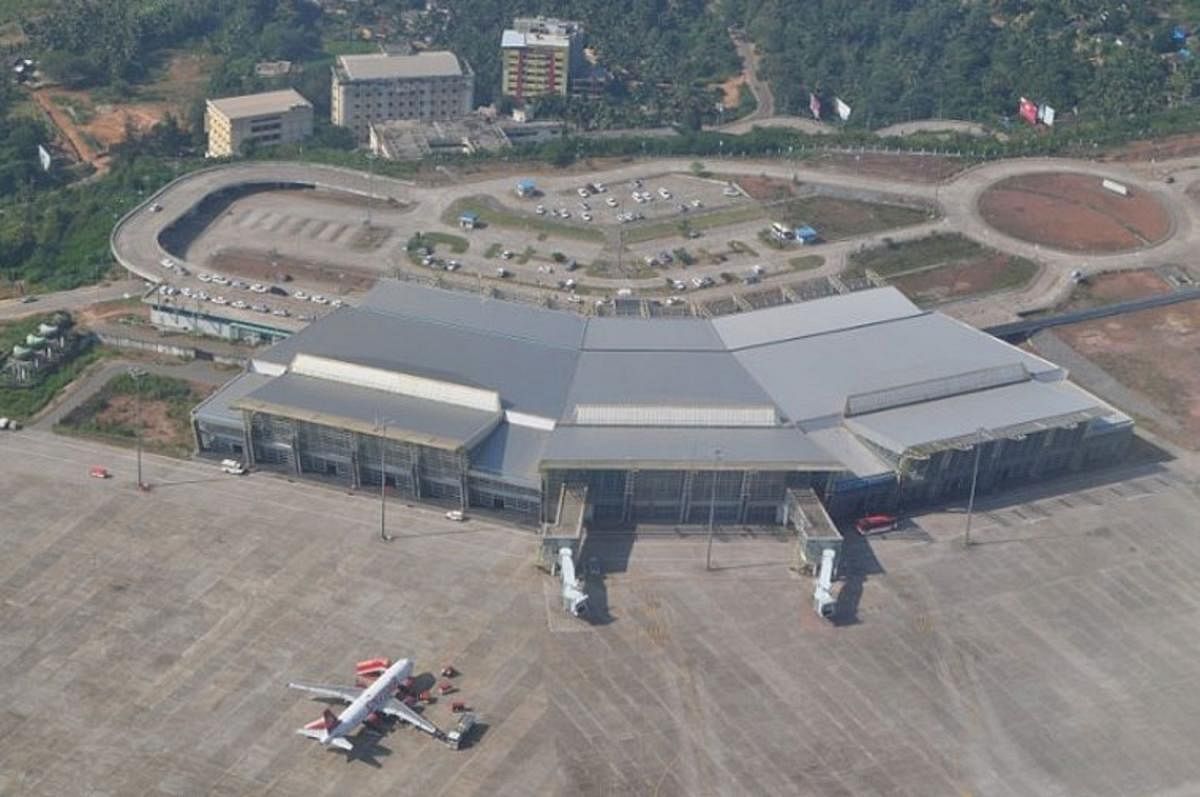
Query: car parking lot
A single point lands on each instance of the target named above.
(650, 196)
(150, 635)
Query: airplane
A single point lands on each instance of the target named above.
(365, 703)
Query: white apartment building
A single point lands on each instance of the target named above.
(427, 86)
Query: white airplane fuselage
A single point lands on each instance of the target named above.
(370, 701)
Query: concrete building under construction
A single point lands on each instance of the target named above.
(864, 399)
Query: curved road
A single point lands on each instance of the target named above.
(135, 238)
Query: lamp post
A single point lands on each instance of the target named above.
(136, 375)
(370, 186)
(974, 481)
(383, 535)
(712, 509)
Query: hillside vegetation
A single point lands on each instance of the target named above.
(895, 60)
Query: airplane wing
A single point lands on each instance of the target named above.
(347, 694)
(394, 708)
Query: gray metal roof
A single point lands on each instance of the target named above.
(778, 448)
(649, 334)
(216, 408)
(811, 377)
(431, 423)
(849, 451)
(684, 378)
(530, 376)
(804, 360)
(377, 66)
(493, 317)
(803, 319)
(995, 411)
(512, 453)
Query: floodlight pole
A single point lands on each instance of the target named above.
(136, 374)
(370, 185)
(712, 509)
(974, 482)
(383, 535)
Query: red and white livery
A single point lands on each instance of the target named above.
(377, 699)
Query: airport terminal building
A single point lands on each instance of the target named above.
(865, 398)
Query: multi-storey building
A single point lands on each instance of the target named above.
(380, 88)
(275, 117)
(541, 56)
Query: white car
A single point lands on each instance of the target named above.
(258, 287)
(202, 296)
(336, 303)
(564, 213)
(233, 467)
(507, 254)
(453, 265)
(456, 515)
(204, 277)
(583, 193)
(612, 203)
(696, 203)
(239, 285)
(664, 193)
(501, 272)
(239, 305)
(575, 298)
(585, 216)
(540, 210)
(260, 308)
(600, 187)
(281, 312)
(319, 299)
(219, 280)
(186, 291)
(167, 262)
(220, 300)
(301, 295)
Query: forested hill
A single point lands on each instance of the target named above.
(656, 46)
(894, 60)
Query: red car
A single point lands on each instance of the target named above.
(98, 472)
(877, 524)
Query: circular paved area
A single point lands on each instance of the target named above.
(1074, 212)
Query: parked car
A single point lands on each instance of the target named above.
(98, 472)
(877, 524)
(232, 467)
(456, 515)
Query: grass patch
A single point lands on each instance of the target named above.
(806, 262)
(110, 414)
(694, 221)
(897, 258)
(457, 243)
(78, 111)
(493, 251)
(25, 402)
(837, 219)
(491, 212)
